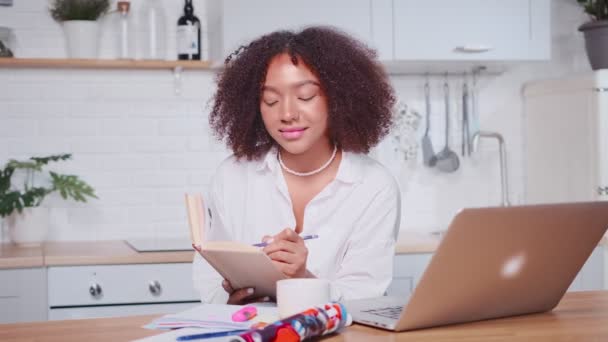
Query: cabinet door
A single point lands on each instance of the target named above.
(601, 110)
(23, 295)
(463, 29)
(244, 20)
(559, 146)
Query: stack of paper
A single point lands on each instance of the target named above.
(213, 317)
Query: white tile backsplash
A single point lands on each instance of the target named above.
(142, 146)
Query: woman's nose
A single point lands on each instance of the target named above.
(289, 111)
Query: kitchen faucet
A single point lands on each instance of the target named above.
(503, 160)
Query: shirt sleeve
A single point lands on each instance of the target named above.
(367, 267)
(206, 279)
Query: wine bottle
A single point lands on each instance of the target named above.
(188, 34)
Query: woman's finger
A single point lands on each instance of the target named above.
(281, 245)
(289, 235)
(282, 256)
(238, 296)
(256, 300)
(227, 287)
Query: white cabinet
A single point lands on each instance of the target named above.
(236, 22)
(119, 290)
(471, 30)
(23, 295)
(566, 139)
(400, 30)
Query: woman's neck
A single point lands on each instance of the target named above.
(310, 160)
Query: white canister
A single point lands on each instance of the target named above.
(298, 294)
(82, 38)
(28, 227)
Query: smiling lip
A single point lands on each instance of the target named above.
(292, 133)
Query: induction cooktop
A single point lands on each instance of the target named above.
(160, 244)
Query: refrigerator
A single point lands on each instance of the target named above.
(565, 127)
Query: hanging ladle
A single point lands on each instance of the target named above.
(428, 154)
(447, 160)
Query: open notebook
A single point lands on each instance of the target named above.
(241, 264)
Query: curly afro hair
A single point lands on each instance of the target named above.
(359, 95)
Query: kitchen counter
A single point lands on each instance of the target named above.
(65, 253)
(416, 242)
(58, 253)
(411, 242)
(13, 256)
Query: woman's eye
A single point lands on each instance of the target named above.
(270, 103)
(307, 98)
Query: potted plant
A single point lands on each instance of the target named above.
(20, 205)
(596, 32)
(79, 21)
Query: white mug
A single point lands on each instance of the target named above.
(298, 294)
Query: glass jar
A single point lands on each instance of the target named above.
(153, 28)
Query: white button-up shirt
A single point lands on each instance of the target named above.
(356, 217)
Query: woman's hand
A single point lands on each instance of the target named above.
(288, 253)
(242, 296)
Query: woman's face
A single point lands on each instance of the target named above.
(293, 107)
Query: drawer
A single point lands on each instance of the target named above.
(120, 284)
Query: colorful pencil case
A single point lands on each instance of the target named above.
(313, 322)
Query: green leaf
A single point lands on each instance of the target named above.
(10, 202)
(597, 9)
(70, 186)
(62, 10)
(5, 179)
(33, 197)
(24, 165)
(45, 160)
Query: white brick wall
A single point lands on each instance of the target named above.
(141, 146)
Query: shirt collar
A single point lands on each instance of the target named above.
(270, 161)
(349, 171)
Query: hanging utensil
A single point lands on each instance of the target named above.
(447, 160)
(466, 146)
(428, 154)
(474, 113)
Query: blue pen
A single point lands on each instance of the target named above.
(305, 237)
(210, 335)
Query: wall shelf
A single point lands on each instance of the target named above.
(64, 63)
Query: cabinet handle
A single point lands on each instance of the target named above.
(473, 48)
(95, 291)
(155, 288)
(602, 191)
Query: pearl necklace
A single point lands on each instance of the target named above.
(310, 173)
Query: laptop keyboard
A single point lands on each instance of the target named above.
(392, 312)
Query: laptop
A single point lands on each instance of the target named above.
(495, 262)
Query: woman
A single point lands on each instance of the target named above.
(299, 111)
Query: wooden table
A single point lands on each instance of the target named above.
(580, 316)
